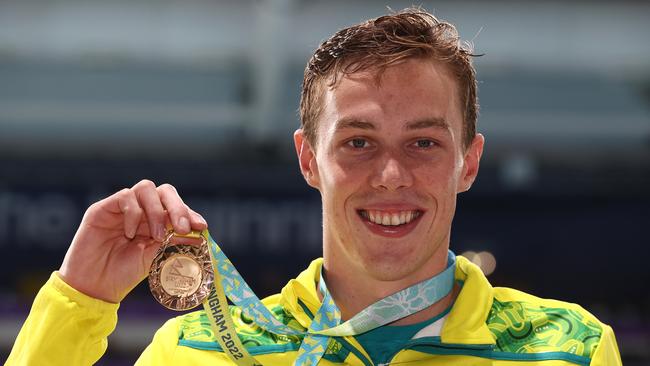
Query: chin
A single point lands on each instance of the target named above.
(390, 266)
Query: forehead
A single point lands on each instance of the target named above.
(413, 90)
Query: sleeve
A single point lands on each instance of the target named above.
(163, 347)
(64, 327)
(606, 353)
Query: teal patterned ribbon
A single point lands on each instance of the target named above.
(327, 321)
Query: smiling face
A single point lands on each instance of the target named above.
(388, 163)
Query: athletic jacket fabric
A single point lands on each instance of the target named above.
(486, 326)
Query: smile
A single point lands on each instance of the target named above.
(393, 223)
(390, 218)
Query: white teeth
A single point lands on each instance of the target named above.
(390, 219)
(386, 219)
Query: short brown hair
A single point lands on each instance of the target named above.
(382, 42)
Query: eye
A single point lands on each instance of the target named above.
(358, 143)
(424, 144)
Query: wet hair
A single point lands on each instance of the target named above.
(384, 41)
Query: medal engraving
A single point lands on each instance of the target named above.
(181, 274)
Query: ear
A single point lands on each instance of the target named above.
(471, 163)
(306, 159)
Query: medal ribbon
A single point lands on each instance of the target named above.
(326, 322)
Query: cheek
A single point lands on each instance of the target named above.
(342, 174)
(439, 177)
(344, 184)
(336, 182)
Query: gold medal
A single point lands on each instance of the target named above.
(181, 274)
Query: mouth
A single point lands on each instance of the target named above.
(385, 218)
(390, 223)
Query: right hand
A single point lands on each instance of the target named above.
(119, 236)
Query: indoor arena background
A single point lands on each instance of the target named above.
(95, 96)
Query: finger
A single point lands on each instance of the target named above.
(197, 221)
(131, 210)
(143, 229)
(176, 208)
(150, 251)
(149, 200)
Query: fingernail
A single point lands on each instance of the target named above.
(184, 223)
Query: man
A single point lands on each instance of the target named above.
(389, 139)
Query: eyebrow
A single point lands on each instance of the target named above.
(353, 123)
(346, 123)
(427, 123)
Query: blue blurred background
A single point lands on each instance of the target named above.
(95, 96)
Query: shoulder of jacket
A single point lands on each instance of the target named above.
(523, 323)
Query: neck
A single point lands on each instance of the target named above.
(353, 288)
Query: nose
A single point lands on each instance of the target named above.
(391, 174)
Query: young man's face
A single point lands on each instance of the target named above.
(388, 163)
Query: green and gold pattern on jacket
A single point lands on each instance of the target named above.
(520, 327)
(195, 326)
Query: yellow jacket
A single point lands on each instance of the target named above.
(486, 326)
